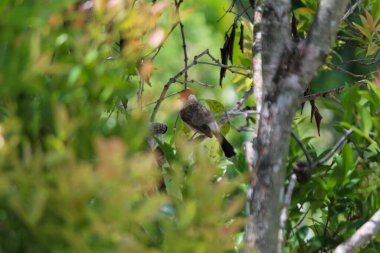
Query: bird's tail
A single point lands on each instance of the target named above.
(228, 149)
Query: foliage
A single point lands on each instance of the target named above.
(76, 171)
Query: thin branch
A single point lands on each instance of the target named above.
(186, 59)
(239, 113)
(351, 10)
(320, 37)
(246, 113)
(247, 94)
(366, 232)
(304, 149)
(217, 63)
(152, 103)
(366, 62)
(284, 213)
(196, 82)
(334, 149)
(165, 39)
(331, 92)
(333, 66)
(302, 218)
(229, 9)
(229, 68)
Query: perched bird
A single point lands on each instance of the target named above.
(199, 118)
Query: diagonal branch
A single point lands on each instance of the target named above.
(365, 233)
(304, 149)
(320, 37)
(331, 92)
(351, 10)
(333, 150)
(284, 213)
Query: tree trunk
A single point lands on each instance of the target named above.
(287, 69)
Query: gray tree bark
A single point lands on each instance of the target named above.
(287, 69)
(367, 231)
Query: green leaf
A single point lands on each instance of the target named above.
(348, 157)
(365, 118)
(172, 188)
(218, 108)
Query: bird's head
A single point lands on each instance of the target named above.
(184, 95)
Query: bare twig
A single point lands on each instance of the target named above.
(238, 113)
(247, 94)
(302, 218)
(218, 64)
(165, 39)
(185, 58)
(304, 149)
(195, 81)
(366, 62)
(284, 212)
(244, 128)
(333, 150)
(351, 10)
(331, 92)
(366, 232)
(345, 71)
(229, 68)
(229, 9)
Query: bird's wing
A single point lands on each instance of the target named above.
(198, 117)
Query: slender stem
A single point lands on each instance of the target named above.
(351, 10)
(284, 213)
(333, 150)
(367, 231)
(304, 149)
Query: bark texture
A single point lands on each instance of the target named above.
(364, 233)
(287, 69)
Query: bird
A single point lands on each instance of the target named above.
(199, 118)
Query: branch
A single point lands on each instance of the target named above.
(304, 149)
(320, 37)
(229, 68)
(247, 94)
(195, 81)
(237, 113)
(366, 232)
(351, 10)
(246, 113)
(337, 67)
(333, 150)
(332, 92)
(163, 42)
(177, 6)
(284, 213)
